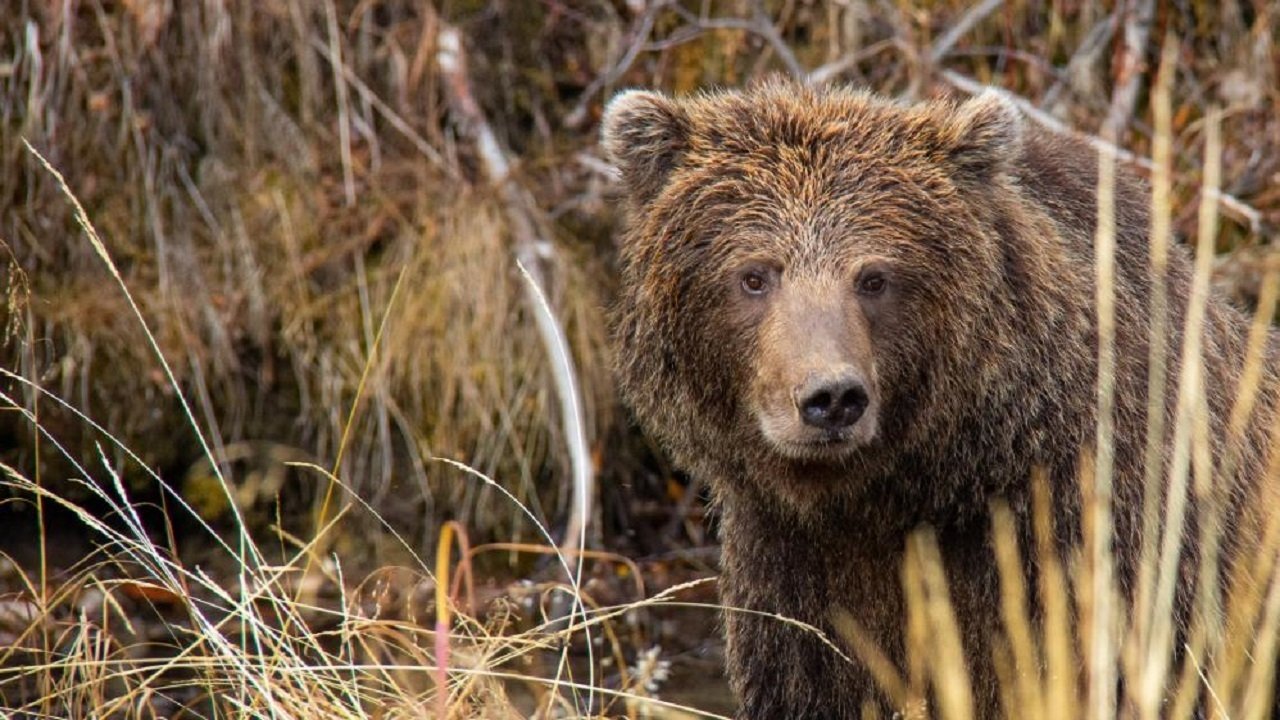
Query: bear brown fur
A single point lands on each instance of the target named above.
(852, 318)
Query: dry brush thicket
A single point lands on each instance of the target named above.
(265, 175)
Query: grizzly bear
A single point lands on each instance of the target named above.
(853, 318)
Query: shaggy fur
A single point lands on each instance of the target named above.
(978, 354)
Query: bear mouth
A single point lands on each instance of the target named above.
(789, 436)
(825, 446)
(831, 444)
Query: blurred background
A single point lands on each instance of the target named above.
(317, 206)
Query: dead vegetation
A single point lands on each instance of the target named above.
(321, 235)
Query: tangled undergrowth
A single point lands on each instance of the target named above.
(303, 209)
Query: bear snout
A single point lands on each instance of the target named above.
(832, 402)
(828, 414)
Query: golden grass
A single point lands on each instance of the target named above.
(304, 261)
(265, 172)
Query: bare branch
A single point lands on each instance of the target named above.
(1138, 15)
(639, 38)
(532, 249)
(1080, 66)
(827, 72)
(760, 25)
(767, 30)
(975, 15)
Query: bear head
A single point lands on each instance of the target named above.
(806, 275)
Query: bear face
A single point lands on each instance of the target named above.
(788, 276)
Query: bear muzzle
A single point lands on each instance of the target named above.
(828, 415)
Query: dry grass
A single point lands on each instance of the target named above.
(265, 175)
(263, 277)
(265, 172)
(173, 640)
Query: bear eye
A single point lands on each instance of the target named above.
(872, 283)
(755, 283)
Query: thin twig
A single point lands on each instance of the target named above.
(975, 15)
(334, 52)
(759, 24)
(1131, 65)
(767, 30)
(390, 115)
(639, 38)
(829, 71)
(1090, 49)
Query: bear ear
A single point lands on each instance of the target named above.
(645, 134)
(988, 132)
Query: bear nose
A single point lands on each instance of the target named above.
(832, 403)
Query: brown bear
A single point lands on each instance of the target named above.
(853, 317)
